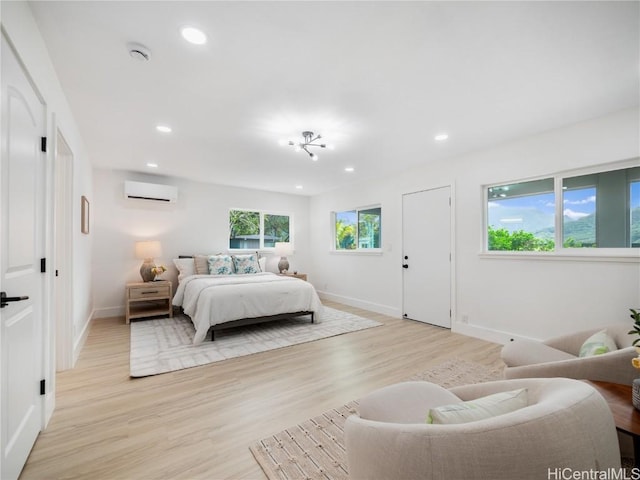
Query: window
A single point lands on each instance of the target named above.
(597, 210)
(521, 216)
(358, 229)
(634, 214)
(255, 230)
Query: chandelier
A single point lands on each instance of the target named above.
(309, 141)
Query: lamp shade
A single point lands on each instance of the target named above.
(283, 249)
(148, 249)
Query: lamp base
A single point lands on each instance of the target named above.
(145, 271)
(283, 265)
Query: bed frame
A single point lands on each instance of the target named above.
(254, 321)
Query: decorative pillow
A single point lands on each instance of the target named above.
(246, 263)
(201, 264)
(597, 344)
(185, 267)
(220, 265)
(480, 408)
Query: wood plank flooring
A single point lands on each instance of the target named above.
(198, 423)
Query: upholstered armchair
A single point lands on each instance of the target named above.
(558, 357)
(566, 424)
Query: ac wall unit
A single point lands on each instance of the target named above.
(151, 191)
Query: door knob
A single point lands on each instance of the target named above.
(404, 265)
(4, 300)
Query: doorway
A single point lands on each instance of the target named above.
(426, 254)
(63, 267)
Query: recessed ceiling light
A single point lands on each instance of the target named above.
(349, 169)
(441, 137)
(298, 187)
(152, 165)
(193, 35)
(163, 128)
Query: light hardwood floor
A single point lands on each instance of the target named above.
(198, 423)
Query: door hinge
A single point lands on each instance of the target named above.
(43, 144)
(43, 265)
(42, 387)
(449, 201)
(56, 273)
(449, 313)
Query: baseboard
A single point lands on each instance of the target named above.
(108, 312)
(79, 342)
(488, 334)
(49, 407)
(354, 302)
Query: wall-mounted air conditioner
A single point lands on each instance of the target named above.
(151, 191)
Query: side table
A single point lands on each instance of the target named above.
(148, 299)
(301, 276)
(625, 415)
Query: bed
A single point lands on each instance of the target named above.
(215, 302)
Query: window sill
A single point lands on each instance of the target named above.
(610, 255)
(376, 251)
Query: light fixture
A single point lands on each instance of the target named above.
(139, 52)
(148, 250)
(283, 249)
(349, 169)
(441, 137)
(309, 140)
(298, 187)
(193, 35)
(163, 128)
(152, 165)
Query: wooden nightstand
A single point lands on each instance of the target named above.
(148, 299)
(301, 276)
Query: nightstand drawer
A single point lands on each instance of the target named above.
(151, 291)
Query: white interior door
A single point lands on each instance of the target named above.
(426, 247)
(21, 247)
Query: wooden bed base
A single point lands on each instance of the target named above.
(255, 320)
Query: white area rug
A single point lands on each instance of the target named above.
(165, 345)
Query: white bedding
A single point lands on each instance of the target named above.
(213, 299)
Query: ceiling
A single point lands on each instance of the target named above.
(377, 79)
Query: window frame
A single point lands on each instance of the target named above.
(262, 214)
(357, 250)
(623, 254)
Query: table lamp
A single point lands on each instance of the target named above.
(148, 250)
(283, 249)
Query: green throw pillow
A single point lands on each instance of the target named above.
(597, 344)
(480, 408)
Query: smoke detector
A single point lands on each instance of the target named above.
(139, 52)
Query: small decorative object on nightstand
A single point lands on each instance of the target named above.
(148, 250)
(148, 299)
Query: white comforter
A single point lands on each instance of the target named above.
(214, 299)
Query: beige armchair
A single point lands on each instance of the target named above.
(567, 424)
(558, 357)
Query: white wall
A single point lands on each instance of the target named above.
(501, 297)
(23, 33)
(196, 224)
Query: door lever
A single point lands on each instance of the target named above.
(4, 300)
(404, 265)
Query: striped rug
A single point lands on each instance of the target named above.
(165, 344)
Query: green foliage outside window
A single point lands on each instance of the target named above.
(242, 222)
(518, 241)
(245, 229)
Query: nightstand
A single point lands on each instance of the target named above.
(301, 276)
(148, 299)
